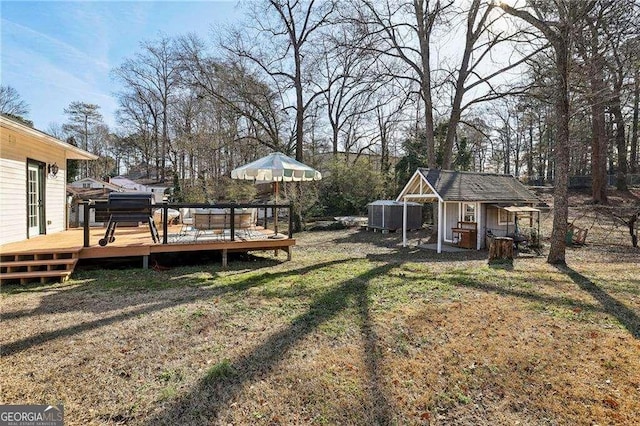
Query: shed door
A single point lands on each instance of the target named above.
(35, 199)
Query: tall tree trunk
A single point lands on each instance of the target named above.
(463, 72)
(424, 35)
(530, 170)
(621, 145)
(598, 155)
(561, 149)
(542, 161)
(633, 157)
(598, 139)
(551, 165)
(299, 102)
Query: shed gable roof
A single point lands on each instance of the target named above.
(450, 185)
(471, 186)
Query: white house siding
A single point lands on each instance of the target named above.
(451, 217)
(56, 200)
(13, 199)
(17, 148)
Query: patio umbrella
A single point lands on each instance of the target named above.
(276, 167)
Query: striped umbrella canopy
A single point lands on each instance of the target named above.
(276, 167)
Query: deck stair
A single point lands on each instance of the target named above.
(39, 265)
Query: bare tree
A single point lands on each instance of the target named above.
(633, 156)
(153, 76)
(480, 42)
(556, 21)
(137, 114)
(85, 124)
(347, 83)
(286, 30)
(592, 51)
(12, 104)
(621, 34)
(229, 84)
(400, 32)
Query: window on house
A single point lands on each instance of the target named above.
(505, 218)
(86, 185)
(469, 212)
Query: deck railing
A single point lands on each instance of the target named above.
(102, 206)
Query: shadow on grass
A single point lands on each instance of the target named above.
(372, 357)
(67, 301)
(627, 317)
(464, 280)
(506, 266)
(609, 305)
(214, 393)
(414, 254)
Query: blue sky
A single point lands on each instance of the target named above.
(54, 52)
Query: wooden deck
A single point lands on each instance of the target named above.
(54, 256)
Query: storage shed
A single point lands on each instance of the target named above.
(470, 205)
(387, 215)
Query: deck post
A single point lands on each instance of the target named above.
(224, 258)
(145, 262)
(165, 220)
(232, 223)
(290, 222)
(264, 218)
(85, 225)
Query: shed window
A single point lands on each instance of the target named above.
(469, 212)
(505, 217)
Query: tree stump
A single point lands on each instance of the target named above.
(501, 251)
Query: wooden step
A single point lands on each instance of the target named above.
(28, 255)
(37, 265)
(70, 261)
(43, 276)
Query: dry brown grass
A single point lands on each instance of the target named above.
(355, 330)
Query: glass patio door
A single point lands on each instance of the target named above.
(35, 203)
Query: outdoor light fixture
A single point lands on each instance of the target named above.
(53, 169)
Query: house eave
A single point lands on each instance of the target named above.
(71, 152)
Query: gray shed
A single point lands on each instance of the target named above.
(387, 215)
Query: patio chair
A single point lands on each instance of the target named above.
(245, 223)
(186, 220)
(210, 222)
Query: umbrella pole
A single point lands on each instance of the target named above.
(275, 210)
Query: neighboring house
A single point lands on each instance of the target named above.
(483, 201)
(130, 185)
(91, 183)
(88, 189)
(33, 169)
(77, 196)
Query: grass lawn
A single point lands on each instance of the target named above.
(354, 330)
